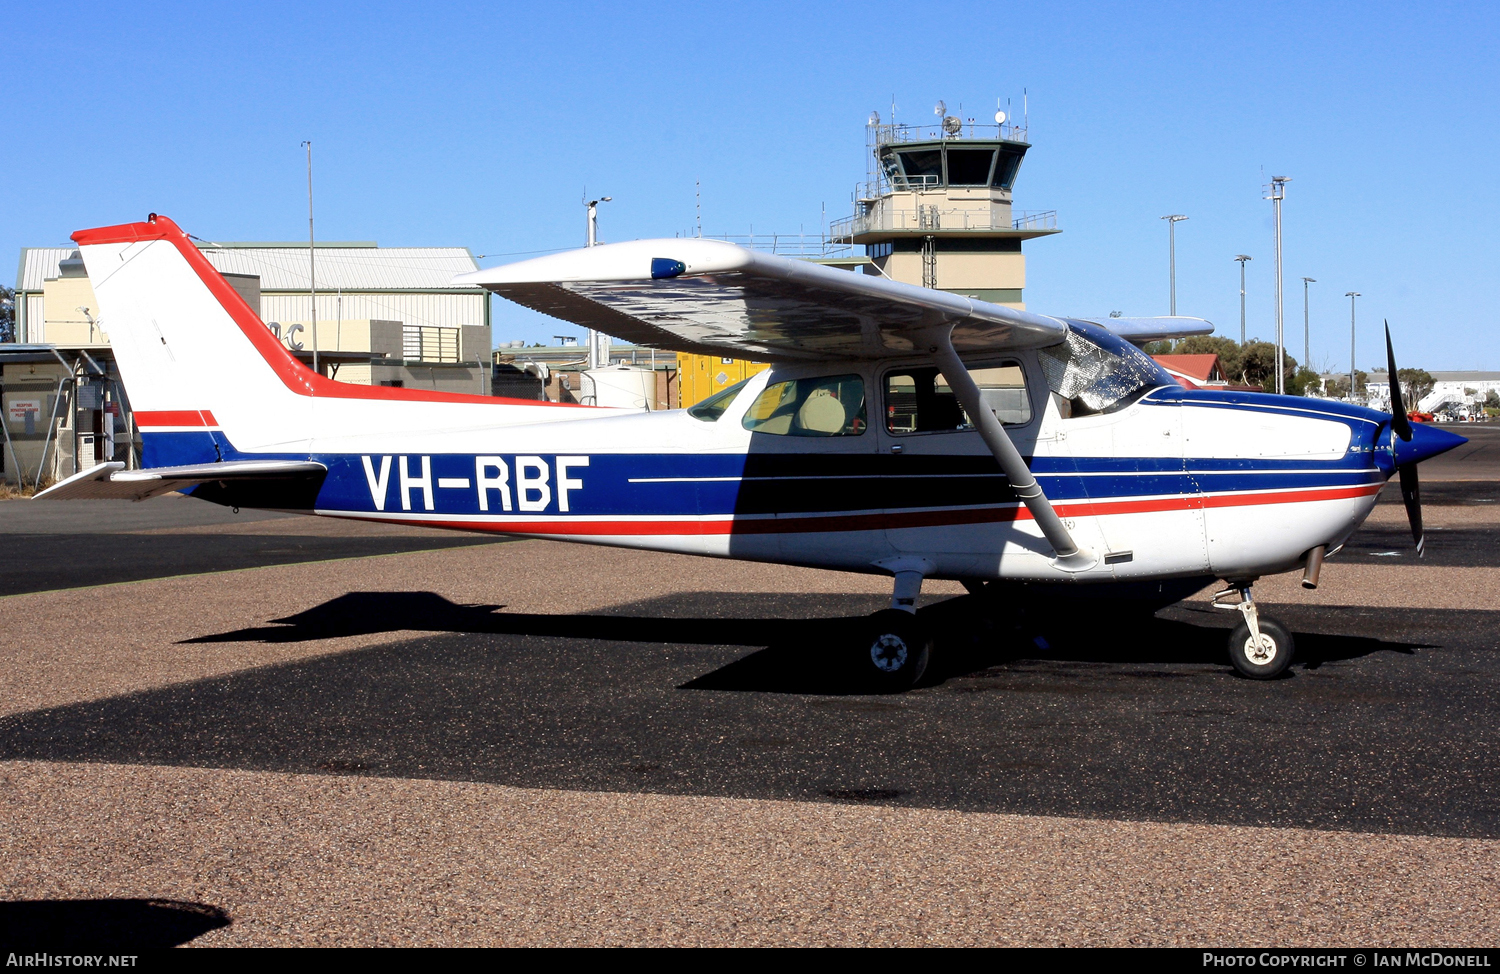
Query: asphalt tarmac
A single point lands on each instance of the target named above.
(1385, 727)
(75, 544)
(212, 750)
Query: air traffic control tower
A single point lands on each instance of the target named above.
(935, 209)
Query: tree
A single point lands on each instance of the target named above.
(1416, 385)
(1492, 399)
(1258, 367)
(7, 314)
(1304, 382)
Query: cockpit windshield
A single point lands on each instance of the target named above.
(1096, 371)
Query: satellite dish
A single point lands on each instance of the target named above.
(953, 125)
(874, 119)
(999, 118)
(941, 108)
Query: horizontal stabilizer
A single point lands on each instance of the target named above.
(112, 481)
(1138, 331)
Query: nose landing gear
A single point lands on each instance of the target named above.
(894, 652)
(894, 646)
(1259, 647)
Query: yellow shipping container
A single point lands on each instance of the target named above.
(700, 376)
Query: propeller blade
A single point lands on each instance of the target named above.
(1399, 423)
(1411, 495)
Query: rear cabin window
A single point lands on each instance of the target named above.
(919, 400)
(826, 406)
(710, 409)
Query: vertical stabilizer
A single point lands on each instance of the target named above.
(205, 377)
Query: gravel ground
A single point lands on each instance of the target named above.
(309, 860)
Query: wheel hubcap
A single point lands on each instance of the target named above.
(888, 653)
(1262, 654)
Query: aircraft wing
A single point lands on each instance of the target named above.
(711, 297)
(1138, 331)
(112, 481)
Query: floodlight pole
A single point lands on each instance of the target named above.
(1278, 193)
(1351, 295)
(1242, 258)
(1306, 330)
(592, 240)
(1172, 220)
(312, 276)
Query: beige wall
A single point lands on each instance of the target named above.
(354, 373)
(65, 324)
(379, 336)
(349, 335)
(960, 271)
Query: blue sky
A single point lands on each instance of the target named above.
(481, 126)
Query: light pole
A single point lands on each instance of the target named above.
(312, 267)
(592, 240)
(1351, 295)
(1172, 220)
(1306, 332)
(1278, 193)
(1242, 258)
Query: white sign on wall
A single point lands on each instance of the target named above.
(24, 413)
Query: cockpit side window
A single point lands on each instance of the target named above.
(1093, 371)
(831, 405)
(918, 400)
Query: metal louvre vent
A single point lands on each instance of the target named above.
(425, 343)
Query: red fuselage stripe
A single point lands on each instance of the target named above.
(893, 521)
(176, 417)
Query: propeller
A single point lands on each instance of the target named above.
(1411, 494)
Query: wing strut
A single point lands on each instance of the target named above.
(1070, 556)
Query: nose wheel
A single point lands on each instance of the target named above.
(893, 652)
(1259, 647)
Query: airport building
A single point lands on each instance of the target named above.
(936, 208)
(385, 316)
(1461, 393)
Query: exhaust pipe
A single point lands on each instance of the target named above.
(1314, 566)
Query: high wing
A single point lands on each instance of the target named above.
(1139, 331)
(112, 481)
(711, 297)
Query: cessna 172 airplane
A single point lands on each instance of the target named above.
(899, 430)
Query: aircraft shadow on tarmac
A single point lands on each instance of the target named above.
(1143, 721)
(104, 925)
(806, 655)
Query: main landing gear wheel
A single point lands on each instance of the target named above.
(1267, 660)
(894, 650)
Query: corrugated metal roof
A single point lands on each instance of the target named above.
(38, 264)
(285, 268)
(349, 269)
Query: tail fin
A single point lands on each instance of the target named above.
(207, 379)
(195, 358)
